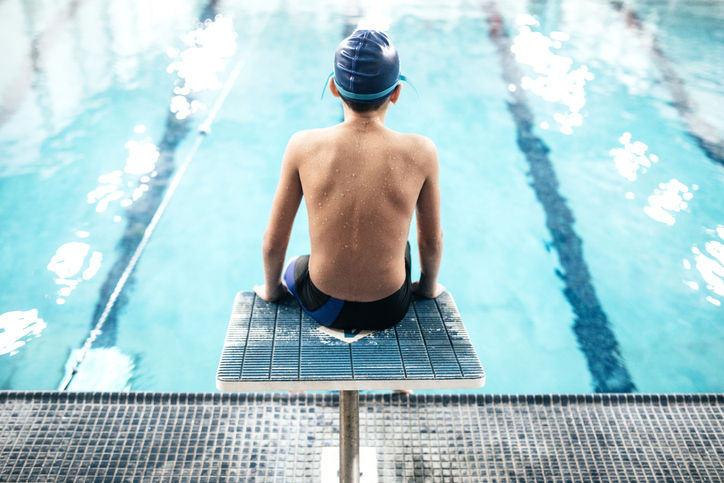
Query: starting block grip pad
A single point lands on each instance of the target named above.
(278, 347)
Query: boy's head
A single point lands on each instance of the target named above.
(366, 70)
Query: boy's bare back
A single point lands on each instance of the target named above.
(361, 184)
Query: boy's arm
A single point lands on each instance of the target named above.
(429, 229)
(276, 236)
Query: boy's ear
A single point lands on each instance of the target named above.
(395, 94)
(333, 88)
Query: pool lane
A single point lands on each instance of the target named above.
(660, 302)
(138, 217)
(591, 326)
(67, 131)
(112, 296)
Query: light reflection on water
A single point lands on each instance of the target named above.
(67, 263)
(142, 157)
(141, 160)
(709, 263)
(667, 199)
(557, 82)
(16, 327)
(107, 191)
(632, 157)
(199, 65)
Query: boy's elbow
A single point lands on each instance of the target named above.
(431, 243)
(269, 245)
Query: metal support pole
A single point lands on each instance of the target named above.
(349, 437)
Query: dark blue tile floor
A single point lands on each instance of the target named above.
(52, 436)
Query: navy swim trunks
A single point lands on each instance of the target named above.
(340, 314)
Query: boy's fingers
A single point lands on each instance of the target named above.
(280, 292)
(439, 289)
(259, 291)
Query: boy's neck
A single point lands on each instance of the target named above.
(371, 117)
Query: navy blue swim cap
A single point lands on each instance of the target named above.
(366, 67)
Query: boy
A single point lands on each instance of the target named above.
(361, 182)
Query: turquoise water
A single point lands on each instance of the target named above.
(84, 103)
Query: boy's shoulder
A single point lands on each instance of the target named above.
(420, 142)
(418, 146)
(304, 141)
(421, 148)
(311, 134)
(326, 132)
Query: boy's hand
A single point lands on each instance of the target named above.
(422, 291)
(276, 294)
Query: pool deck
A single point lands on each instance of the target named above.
(59, 436)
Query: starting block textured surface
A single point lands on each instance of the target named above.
(278, 347)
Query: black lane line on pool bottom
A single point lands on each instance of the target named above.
(140, 214)
(172, 138)
(702, 132)
(591, 327)
(140, 218)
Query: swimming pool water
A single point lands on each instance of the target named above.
(580, 147)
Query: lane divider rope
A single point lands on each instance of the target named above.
(203, 129)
